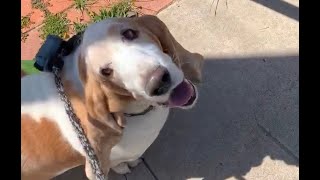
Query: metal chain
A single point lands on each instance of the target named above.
(94, 162)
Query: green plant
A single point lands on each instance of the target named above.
(79, 27)
(24, 36)
(38, 4)
(41, 5)
(80, 4)
(55, 25)
(117, 10)
(102, 14)
(121, 9)
(25, 22)
(58, 24)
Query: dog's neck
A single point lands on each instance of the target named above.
(71, 79)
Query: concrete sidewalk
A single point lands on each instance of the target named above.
(246, 124)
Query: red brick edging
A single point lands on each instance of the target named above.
(33, 42)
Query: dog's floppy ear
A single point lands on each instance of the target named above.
(101, 105)
(98, 105)
(190, 63)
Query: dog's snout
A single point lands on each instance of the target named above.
(159, 82)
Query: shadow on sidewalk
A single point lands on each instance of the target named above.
(225, 134)
(282, 7)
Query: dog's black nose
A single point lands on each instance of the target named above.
(159, 82)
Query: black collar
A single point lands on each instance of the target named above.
(150, 108)
(53, 50)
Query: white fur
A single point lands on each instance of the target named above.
(139, 134)
(131, 61)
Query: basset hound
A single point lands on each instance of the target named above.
(123, 65)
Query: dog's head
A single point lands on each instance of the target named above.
(139, 58)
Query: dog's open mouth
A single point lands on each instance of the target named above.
(183, 95)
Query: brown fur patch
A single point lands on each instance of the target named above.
(102, 129)
(103, 97)
(43, 149)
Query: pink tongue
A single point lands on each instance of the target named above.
(181, 94)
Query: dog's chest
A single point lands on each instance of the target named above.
(139, 134)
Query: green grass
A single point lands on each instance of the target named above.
(24, 36)
(79, 27)
(117, 10)
(27, 67)
(60, 25)
(25, 22)
(80, 4)
(41, 5)
(57, 24)
(38, 4)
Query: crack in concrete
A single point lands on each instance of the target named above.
(274, 139)
(281, 145)
(149, 169)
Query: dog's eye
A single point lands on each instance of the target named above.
(106, 71)
(166, 51)
(130, 34)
